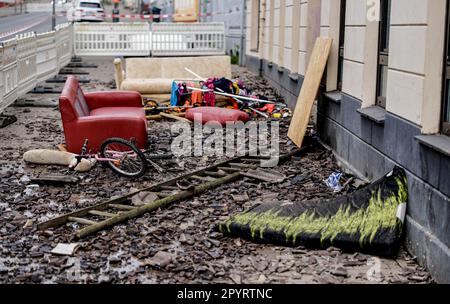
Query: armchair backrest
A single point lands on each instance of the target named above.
(72, 103)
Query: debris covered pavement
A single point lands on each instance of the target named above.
(174, 245)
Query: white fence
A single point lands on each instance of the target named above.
(29, 59)
(139, 39)
(112, 39)
(188, 39)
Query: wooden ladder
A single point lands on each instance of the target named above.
(118, 209)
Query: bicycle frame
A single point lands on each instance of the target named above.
(115, 154)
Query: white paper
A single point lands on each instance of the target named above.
(65, 249)
(401, 212)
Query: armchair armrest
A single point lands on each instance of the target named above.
(98, 128)
(113, 99)
(119, 74)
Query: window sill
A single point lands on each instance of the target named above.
(334, 96)
(293, 77)
(374, 113)
(440, 143)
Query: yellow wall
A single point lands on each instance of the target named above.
(186, 7)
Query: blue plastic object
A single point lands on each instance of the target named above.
(333, 181)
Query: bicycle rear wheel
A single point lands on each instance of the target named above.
(124, 158)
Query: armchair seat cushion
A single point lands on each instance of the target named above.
(122, 112)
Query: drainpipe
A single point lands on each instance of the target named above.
(242, 48)
(54, 15)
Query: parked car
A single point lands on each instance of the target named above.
(86, 10)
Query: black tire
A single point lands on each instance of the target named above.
(140, 158)
(159, 156)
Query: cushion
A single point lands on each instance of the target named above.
(148, 86)
(220, 115)
(119, 112)
(80, 104)
(173, 67)
(72, 102)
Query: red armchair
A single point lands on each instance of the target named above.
(100, 115)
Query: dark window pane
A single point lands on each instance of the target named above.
(341, 43)
(447, 103)
(385, 16)
(383, 81)
(384, 24)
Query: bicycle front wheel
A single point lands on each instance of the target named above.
(124, 158)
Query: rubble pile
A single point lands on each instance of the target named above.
(175, 245)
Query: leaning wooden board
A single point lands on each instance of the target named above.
(308, 93)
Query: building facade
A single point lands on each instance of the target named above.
(232, 13)
(384, 100)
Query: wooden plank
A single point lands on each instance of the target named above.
(121, 207)
(159, 117)
(243, 166)
(102, 213)
(203, 178)
(171, 116)
(54, 179)
(228, 169)
(250, 175)
(162, 194)
(215, 174)
(82, 221)
(314, 74)
(170, 188)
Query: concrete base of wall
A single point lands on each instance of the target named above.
(373, 148)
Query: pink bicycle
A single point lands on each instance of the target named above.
(123, 157)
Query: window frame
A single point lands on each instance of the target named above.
(445, 122)
(342, 28)
(255, 47)
(383, 49)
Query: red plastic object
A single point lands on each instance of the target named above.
(99, 116)
(268, 107)
(219, 115)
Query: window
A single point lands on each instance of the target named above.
(254, 39)
(446, 101)
(383, 52)
(90, 4)
(341, 44)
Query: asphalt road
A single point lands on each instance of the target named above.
(39, 22)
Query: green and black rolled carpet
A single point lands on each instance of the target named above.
(368, 220)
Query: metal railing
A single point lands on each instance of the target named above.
(29, 59)
(188, 39)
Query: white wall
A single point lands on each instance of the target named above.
(416, 52)
(416, 59)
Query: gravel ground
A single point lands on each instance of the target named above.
(174, 245)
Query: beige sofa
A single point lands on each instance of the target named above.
(153, 77)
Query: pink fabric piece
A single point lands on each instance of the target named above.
(219, 115)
